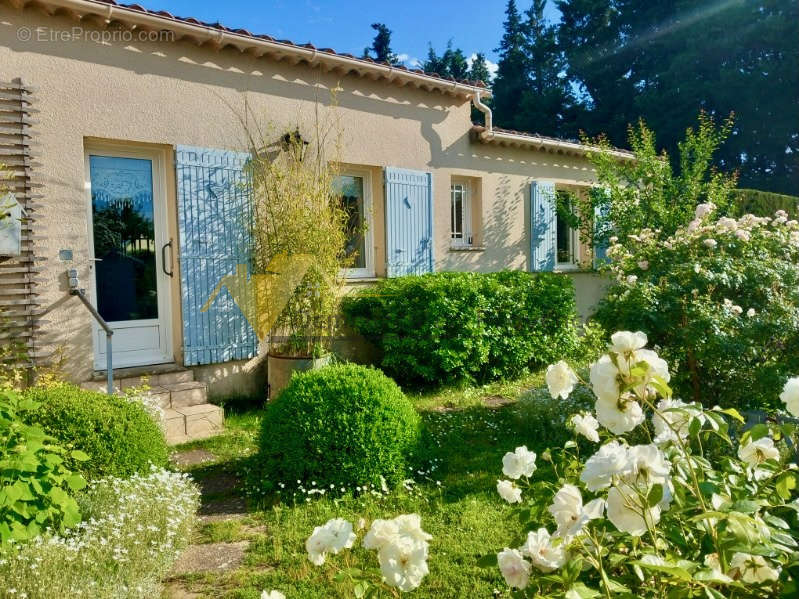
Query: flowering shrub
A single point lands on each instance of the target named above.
(719, 298)
(401, 546)
(132, 532)
(656, 519)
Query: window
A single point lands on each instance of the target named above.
(353, 190)
(461, 218)
(567, 241)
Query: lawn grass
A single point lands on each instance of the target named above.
(454, 491)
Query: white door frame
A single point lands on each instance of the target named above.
(163, 284)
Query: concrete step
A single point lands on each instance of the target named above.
(141, 378)
(191, 423)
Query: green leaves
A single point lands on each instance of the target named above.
(786, 482)
(35, 485)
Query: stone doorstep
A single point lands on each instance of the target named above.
(191, 423)
(186, 394)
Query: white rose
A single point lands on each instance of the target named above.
(569, 512)
(750, 312)
(586, 425)
(403, 564)
(560, 379)
(643, 265)
(509, 491)
(609, 461)
(626, 342)
(726, 224)
(710, 243)
(647, 465)
(753, 568)
(790, 396)
(409, 526)
(515, 570)
(342, 534)
(519, 463)
(620, 415)
(702, 210)
(604, 378)
(545, 554)
(380, 533)
(679, 420)
(319, 544)
(272, 595)
(626, 510)
(743, 235)
(632, 279)
(757, 452)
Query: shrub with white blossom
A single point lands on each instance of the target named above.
(401, 545)
(719, 299)
(132, 532)
(658, 518)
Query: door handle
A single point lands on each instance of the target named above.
(169, 272)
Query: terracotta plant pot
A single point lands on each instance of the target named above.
(280, 369)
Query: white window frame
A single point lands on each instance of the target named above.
(466, 235)
(368, 272)
(574, 249)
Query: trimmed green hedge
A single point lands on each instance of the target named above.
(765, 203)
(446, 328)
(119, 436)
(345, 425)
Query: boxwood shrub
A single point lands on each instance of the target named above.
(444, 328)
(345, 425)
(117, 434)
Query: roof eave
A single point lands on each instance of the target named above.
(258, 46)
(535, 142)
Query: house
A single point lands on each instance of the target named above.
(123, 129)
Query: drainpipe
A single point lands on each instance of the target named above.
(477, 100)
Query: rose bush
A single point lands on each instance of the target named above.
(402, 549)
(719, 299)
(654, 519)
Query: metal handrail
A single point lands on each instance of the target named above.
(75, 290)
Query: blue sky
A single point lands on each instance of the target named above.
(345, 24)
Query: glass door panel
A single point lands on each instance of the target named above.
(124, 238)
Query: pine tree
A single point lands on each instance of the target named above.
(380, 50)
(546, 103)
(513, 69)
(479, 69)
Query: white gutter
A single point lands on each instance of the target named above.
(242, 41)
(477, 100)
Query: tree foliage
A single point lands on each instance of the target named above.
(648, 192)
(380, 50)
(664, 61)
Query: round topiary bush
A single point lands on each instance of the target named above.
(118, 435)
(346, 425)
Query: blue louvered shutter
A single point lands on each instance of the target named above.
(409, 222)
(214, 214)
(600, 212)
(543, 226)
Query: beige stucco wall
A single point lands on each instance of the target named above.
(177, 93)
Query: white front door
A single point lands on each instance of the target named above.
(131, 256)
